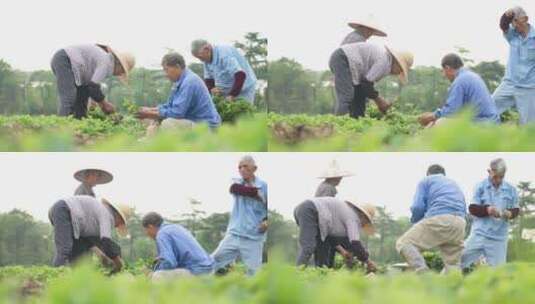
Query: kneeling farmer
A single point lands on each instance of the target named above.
(83, 222)
(179, 253)
(189, 102)
(80, 70)
(467, 90)
(495, 203)
(438, 213)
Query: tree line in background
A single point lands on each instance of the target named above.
(27, 241)
(35, 92)
(294, 89)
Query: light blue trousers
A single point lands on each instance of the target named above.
(232, 247)
(475, 247)
(507, 96)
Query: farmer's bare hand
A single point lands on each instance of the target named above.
(107, 107)
(263, 227)
(146, 112)
(216, 91)
(383, 104)
(493, 211)
(426, 118)
(92, 104)
(506, 214)
(370, 266)
(230, 98)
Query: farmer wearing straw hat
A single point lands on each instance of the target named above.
(226, 71)
(247, 227)
(495, 204)
(80, 70)
(89, 178)
(438, 215)
(356, 67)
(332, 177)
(363, 30)
(321, 217)
(189, 102)
(518, 86)
(82, 222)
(467, 90)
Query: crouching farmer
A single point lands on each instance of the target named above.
(82, 223)
(179, 253)
(323, 217)
(438, 215)
(495, 203)
(189, 102)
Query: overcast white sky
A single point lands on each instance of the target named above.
(305, 30)
(32, 30)
(163, 182)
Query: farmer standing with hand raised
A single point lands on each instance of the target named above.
(226, 71)
(79, 72)
(518, 86)
(495, 203)
(89, 178)
(246, 231)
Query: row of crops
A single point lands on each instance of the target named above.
(276, 283)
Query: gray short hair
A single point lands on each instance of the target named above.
(498, 166)
(153, 219)
(198, 44)
(174, 59)
(248, 159)
(519, 12)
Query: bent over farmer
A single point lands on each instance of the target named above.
(357, 67)
(438, 215)
(80, 71)
(323, 217)
(82, 222)
(246, 231)
(495, 203)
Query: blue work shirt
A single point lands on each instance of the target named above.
(227, 61)
(437, 195)
(520, 70)
(177, 248)
(248, 213)
(468, 89)
(503, 197)
(190, 100)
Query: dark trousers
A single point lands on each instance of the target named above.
(306, 217)
(349, 98)
(73, 99)
(68, 249)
